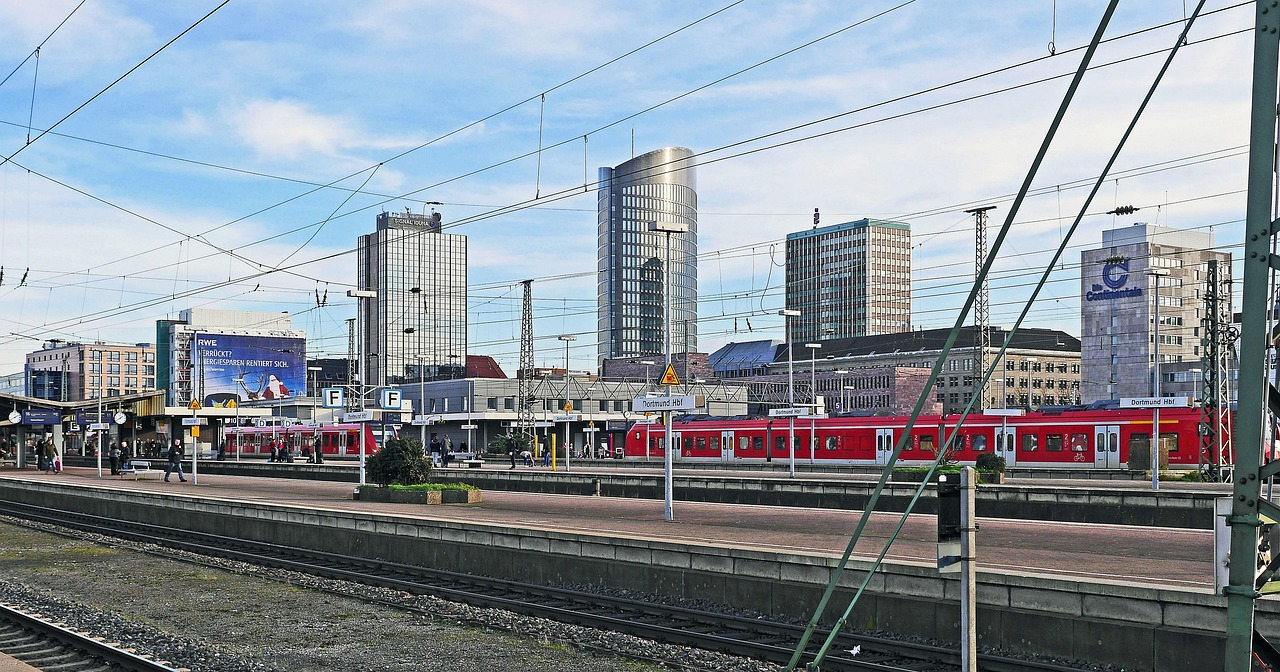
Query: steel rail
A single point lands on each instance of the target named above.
(734, 635)
(46, 645)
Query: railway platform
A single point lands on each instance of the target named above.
(1113, 593)
(1175, 504)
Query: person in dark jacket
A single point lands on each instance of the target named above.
(175, 461)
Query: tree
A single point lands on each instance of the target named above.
(401, 461)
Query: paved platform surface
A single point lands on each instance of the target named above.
(1161, 557)
(11, 664)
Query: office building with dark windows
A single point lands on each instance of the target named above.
(849, 280)
(415, 328)
(632, 274)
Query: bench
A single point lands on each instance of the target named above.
(137, 469)
(473, 464)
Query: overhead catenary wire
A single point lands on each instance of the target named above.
(522, 205)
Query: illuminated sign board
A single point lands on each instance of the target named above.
(247, 368)
(1115, 278)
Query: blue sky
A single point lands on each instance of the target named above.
(186, 182)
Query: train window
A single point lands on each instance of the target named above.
(1030, 443)
(655, 444)
(688, 443)
(979, 441)
(700, 443)
(1079, 443)
(715, 443)
(833, 443)
(744, 443)
(926, 442)
(1053, 443)
(780, 444)
(1169, 441)
(757, 443)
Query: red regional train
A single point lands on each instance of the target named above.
(336, 440)
(1098, 439)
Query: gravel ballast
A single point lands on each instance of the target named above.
(224, 616)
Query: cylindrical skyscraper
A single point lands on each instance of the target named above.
(658, 186)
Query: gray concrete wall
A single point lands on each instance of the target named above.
(1172, 630)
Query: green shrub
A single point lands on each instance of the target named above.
(400, 462)
(990, 462)
(498, 444)
(435, 486)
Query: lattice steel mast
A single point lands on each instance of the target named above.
(351, 366)
(981, 304)
(1215, 400)
(525, 422)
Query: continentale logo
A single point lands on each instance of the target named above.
(1115, 272)
(1115, 275)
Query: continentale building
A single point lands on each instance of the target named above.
(633, 274)
(1118, 306)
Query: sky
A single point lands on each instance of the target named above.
(236, 167)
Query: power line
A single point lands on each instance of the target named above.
(81, 106)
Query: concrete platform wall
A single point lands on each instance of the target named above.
(1126, 625)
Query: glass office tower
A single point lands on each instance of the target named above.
(416, 328)
(658, 186)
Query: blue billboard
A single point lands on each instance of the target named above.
(248, 368)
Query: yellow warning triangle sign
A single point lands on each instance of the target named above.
(669, 376)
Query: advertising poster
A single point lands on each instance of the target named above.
(249, 368)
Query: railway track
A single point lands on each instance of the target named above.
(733, 635)
(49, 646)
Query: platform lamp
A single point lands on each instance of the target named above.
(240, 434)
(668, 228)
(791, 393)
(1156, 274)
(360, 295)
(813, 392)
(844, 388)
(567, 339)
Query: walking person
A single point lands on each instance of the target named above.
(114, 459)
(511, 449)
(315, 448)
(50, 457)
(175, 461)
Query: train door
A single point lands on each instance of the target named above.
(726, 446)
(676, 437)
(884, 445)
(1005, 445)
(1106, 446)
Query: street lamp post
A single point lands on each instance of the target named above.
(787, 314)
(567, 338)
(668, 227)
(1156, 274)
(240, 434)
(359, 295)
(101, 421)
(813, 392)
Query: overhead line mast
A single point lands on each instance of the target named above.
(525, 373)
(981, 304)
